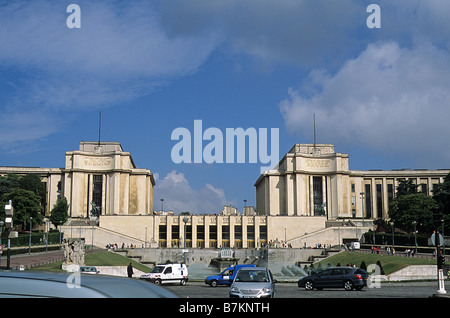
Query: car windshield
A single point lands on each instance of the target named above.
(252, 276)
(158, 269)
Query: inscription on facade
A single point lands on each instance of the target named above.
(315, 163)
(97, 161)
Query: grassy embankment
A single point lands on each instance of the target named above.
(103, 258)
(389, 264)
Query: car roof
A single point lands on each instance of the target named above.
(253, 268)
(55, 284)
(244, 265)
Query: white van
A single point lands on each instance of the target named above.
(168, 273)
(355, 246)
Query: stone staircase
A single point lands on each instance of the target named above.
(326, 252)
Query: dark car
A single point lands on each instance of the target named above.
(336, 277)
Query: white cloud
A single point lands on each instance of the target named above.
(388, 98)
(120, 53)
(179, 196)
(126, 49)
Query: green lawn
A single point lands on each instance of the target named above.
(389, 264)
(103, 258)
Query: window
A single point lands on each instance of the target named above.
(339, 271)
(251, 236)
(368, 201)
(188, 232)
(250, 232)
(225, 232)
(97, 194)
(390, 192)
(263, 232)
(213, 232)
(423, 188)
(225, 236)
(379, 202)
(175, 232)
(200, 232)
(162, 236)
(238, 232)
(318, 196)
(213, 236)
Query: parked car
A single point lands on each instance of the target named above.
(168, 273)
(37, 284)
(227, 275)
(89, 270)
(348, 278)
(253, 282)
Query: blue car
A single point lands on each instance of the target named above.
(227, 275)
(348, 278)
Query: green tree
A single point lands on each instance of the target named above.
(32, 182)
(405, 209)
(380, 267)
(442, 197)
(26, 204)
(363, 265)
(406, 187)
(59, 212)
(8, 183)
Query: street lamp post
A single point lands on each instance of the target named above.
(46, 235)
(60, 223)
(29, 241)
(392, 226)
(415, 237)
(185, 220)
(443, 235)
(1, 227)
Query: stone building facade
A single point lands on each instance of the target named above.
(97, 174)
(310, 198)
(314, 180)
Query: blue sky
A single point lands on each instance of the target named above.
(380, 95)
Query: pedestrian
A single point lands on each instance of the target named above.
(130, 270)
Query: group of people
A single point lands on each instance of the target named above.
(114, 246)
(389, 250)
(276, 244)
(409, 252)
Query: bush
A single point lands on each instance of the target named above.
(363, 266)
(36, 239)
(380, 267)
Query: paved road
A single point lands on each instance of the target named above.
(290, 290)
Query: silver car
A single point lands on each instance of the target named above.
(253, 282)
(36, 284)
